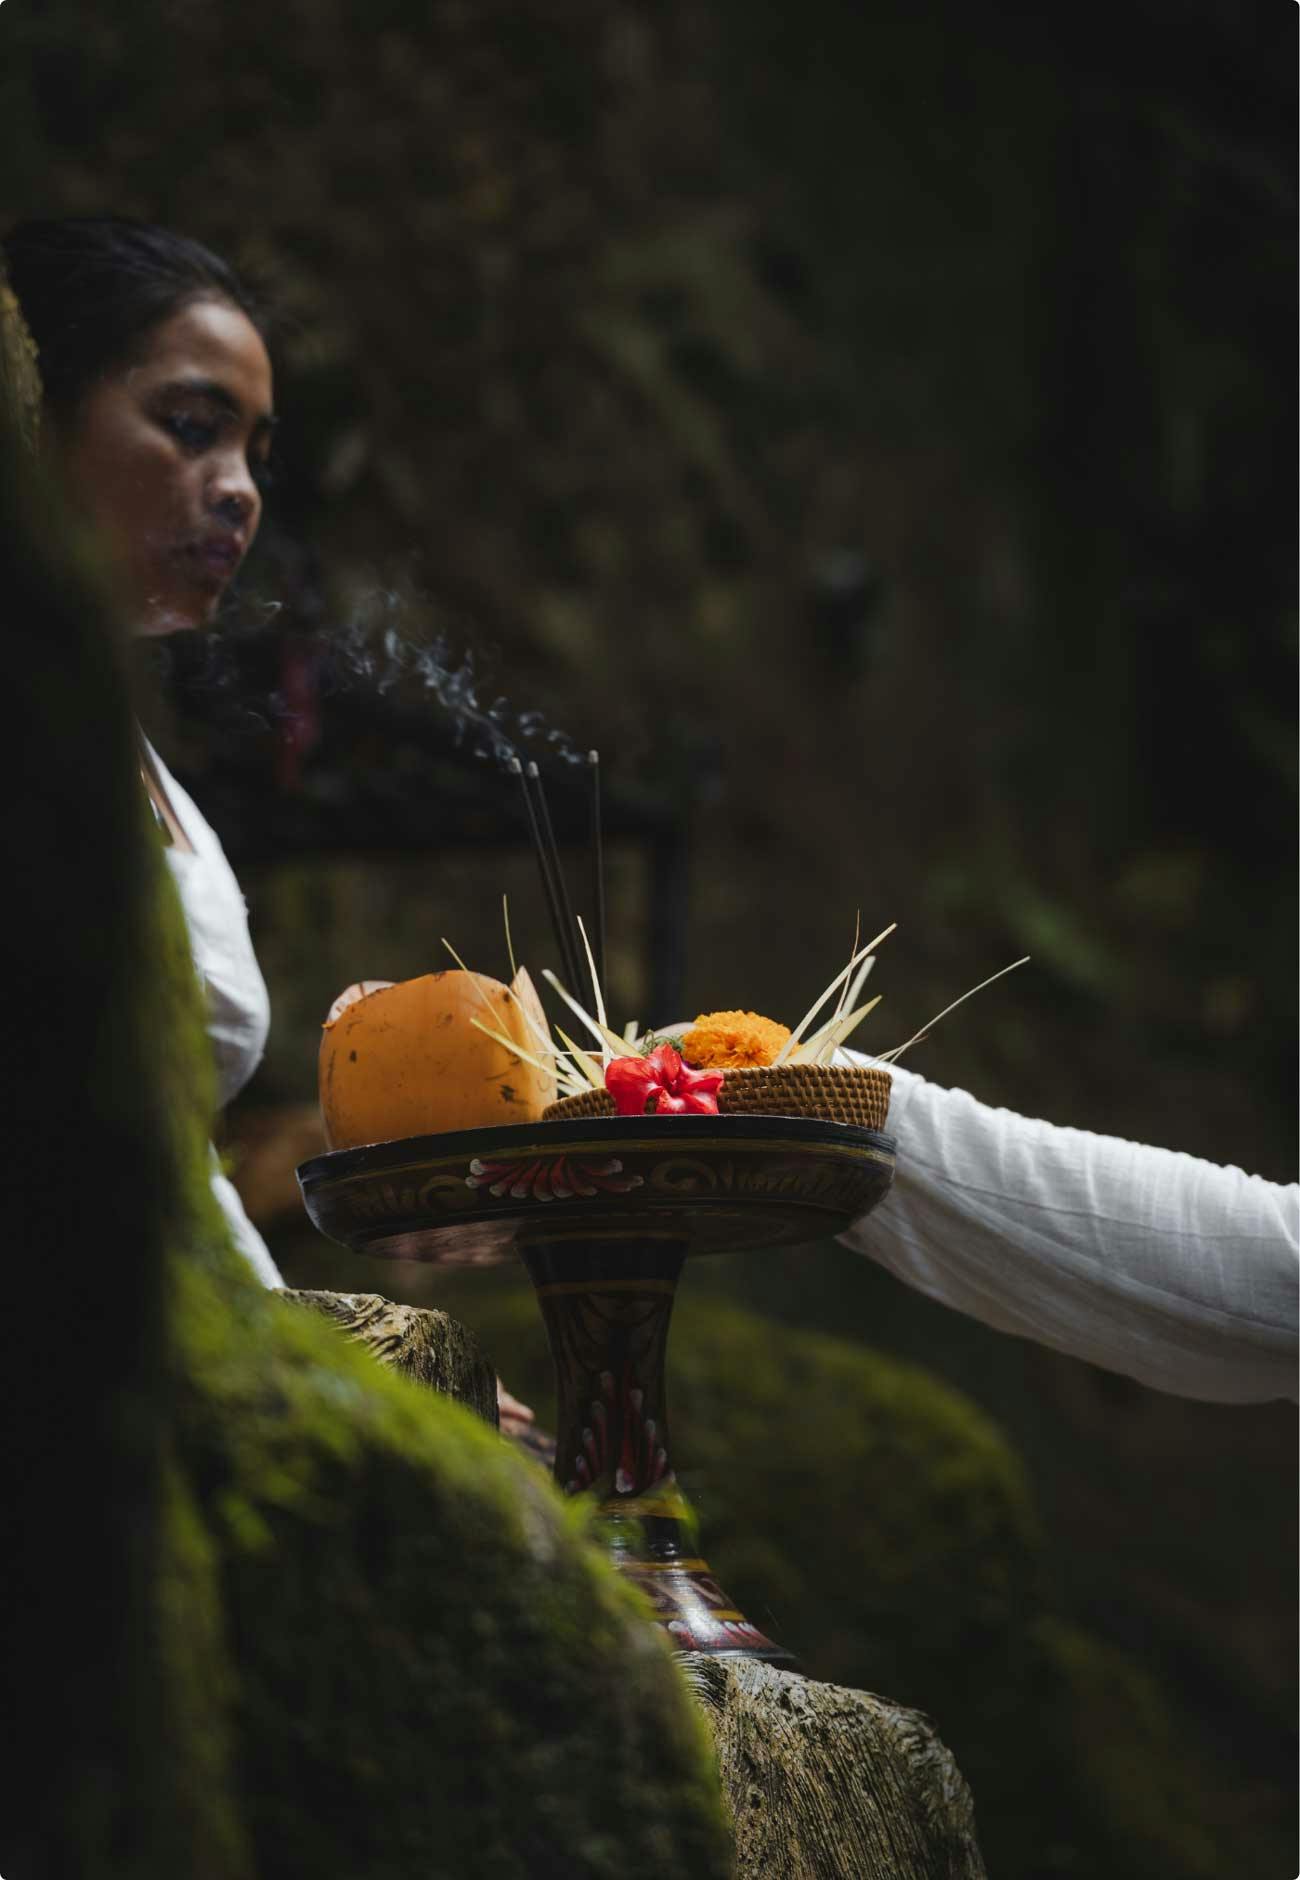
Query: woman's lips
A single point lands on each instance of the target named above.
(216, 557)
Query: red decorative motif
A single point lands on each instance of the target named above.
(719, 1634)
(642, 1458)
(551, 1178)
(663, 1083)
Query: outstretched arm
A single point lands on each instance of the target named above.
(1173, 1271)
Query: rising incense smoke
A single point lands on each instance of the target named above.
(369, 652)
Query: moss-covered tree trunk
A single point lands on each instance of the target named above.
(86, 1197)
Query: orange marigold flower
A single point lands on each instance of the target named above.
(733, 1041)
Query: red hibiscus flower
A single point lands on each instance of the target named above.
(663, 1084)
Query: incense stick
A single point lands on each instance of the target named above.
(597, 867)
(572, 961)
(543, 864)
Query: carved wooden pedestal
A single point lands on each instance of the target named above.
(603, 1213)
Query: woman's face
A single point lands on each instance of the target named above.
(165, 457)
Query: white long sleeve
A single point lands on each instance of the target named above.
(1173, 1271)
(238, 1009)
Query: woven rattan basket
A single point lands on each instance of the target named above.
(830, 1093)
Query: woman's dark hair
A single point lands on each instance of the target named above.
(92, 288)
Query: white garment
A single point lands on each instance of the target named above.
(239, 1010)
(1173, 1271)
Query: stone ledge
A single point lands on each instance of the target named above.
(824, 1782)
(423, 1344)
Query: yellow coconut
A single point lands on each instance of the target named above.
(405, 1060)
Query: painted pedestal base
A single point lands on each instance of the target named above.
(607, 1303)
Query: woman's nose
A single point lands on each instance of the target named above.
(234, 507)
(233, 497)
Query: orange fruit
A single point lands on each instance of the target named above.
(405, 1060)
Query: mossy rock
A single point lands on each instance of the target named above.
(83, 1388)
(426, 1667)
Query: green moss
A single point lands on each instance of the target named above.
(433, 1665)
(202, 1832)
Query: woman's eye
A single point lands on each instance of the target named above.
(192, 433)
(262, 471)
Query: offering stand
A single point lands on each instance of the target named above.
(603, 1214)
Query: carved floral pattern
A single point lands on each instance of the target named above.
(551, 1178)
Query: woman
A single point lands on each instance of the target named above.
(157, 403)
(157, 408)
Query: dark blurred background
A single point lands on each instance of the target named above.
(873, 427)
